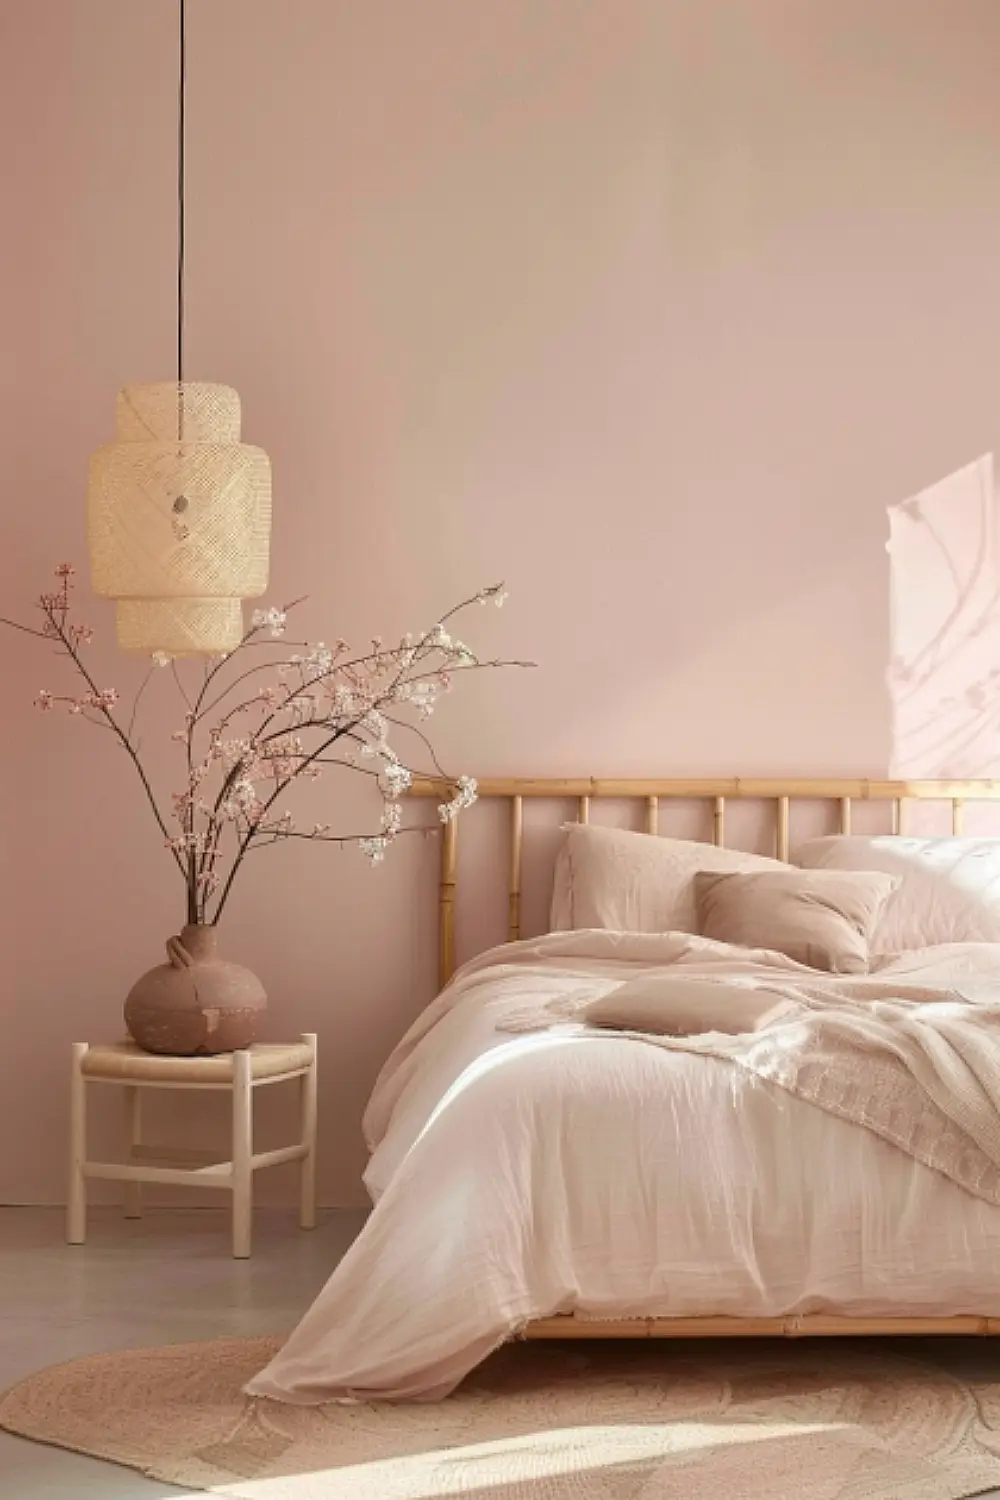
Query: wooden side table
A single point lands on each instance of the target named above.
(240, 1073)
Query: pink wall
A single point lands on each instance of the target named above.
(650, 306)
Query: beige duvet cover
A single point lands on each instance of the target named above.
(520, 1173)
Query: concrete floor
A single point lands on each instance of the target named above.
(169, 1278)
(164, 1279)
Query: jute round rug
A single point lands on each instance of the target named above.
(537, 1422)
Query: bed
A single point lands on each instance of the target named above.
(505, 1196)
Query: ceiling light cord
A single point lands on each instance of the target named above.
(182, 38)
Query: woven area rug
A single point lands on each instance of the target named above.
(539, 1422)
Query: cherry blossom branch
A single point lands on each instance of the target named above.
(58, 625)
(278, 837)
(25, 629)
(135, 701)
(324, 694)
(247, 840)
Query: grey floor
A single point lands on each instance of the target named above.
(169, 1278)
(163, 1279)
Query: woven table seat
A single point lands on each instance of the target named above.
(126, 1061)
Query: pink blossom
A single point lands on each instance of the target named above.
(65, 570)
(81, 635)
(45, 701)
(104, 698)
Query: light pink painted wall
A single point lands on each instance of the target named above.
(650, 306)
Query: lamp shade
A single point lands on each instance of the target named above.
(179, 519)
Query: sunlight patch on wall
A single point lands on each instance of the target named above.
(944, 675)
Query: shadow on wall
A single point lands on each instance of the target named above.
(944, 672)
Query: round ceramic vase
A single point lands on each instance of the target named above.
(195, 1003)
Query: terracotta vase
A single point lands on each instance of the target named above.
(196, 1002)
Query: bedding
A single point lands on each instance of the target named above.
(635, 882)
(823, 918)
(949, 887)
(519, 1173)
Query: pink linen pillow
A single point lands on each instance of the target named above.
(823, 918)
(949, 888)
(674, 1005)
(635, 882)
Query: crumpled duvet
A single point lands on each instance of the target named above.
(517, 1174)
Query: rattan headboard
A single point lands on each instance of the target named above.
(715, 791)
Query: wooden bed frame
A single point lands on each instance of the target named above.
(716, 792)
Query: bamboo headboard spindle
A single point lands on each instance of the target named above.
(781, 839)
(956, 816)
(845, 815)
(583, 815)
(449, 881)
(652, 814)
(514, 890)
(719, 822)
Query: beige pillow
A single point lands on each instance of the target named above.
(949, 890)
(671, 1005)
(823, 918)
(635, 882)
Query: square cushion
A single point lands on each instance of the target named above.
(823, 918)
(674, 1005)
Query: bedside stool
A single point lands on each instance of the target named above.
(238, 1073)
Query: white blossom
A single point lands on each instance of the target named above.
(496, 592)
(319, 660)
(423, 696)
(395, 779)
(272, 620)
(466, 791)
(392, 818)
(374, 849)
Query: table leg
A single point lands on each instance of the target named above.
(133, 1136)
(307, 1136)
(76, 1203)
(242, 1154)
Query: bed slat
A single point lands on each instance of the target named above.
(781, 832)
(514, 886)
(806, 1325)
(449, 881)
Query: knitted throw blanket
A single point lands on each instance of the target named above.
(919, 1071)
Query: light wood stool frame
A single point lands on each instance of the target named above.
(180, 1167)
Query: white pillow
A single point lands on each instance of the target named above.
(636, 882)
(950, 890)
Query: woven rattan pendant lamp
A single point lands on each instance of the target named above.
(179, 510)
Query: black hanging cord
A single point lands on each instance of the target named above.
(180, 189)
